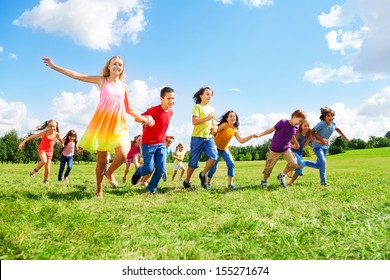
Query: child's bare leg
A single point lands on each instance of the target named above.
(230, 180)
(190, 171)
(209, 163)
(182, 173)
(126, 172)
(292, 180)
(174, 174)
(100, 166)
(120, 155)
(47, 170)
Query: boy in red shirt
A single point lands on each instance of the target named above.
(153, 141)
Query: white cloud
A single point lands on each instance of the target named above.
(362, 37)
(235, 89)
(12, 56)
(94, 24)
(1, 49)
(377, 105)
(228, 2)
(141, 97)
(343, 40)
(258, 3)
(13, 116)
(250, 3)
(324, 74)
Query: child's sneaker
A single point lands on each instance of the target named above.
(282, 180)
(203, 180)
(263, 184)
(32, 173)
(46, 181)
(66, 180)
(232, 187)
(186, 185)
(164, 176)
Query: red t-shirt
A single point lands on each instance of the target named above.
(156, 134)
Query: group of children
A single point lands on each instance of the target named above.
(108, 133)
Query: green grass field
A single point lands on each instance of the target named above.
(348, 219)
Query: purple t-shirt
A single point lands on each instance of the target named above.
(282, 137)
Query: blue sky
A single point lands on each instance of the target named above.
(263, 59)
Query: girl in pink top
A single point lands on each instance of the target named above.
(50, 133)
(67, 155)
(133, 156)
(107, 132)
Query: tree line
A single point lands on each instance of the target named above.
(10, 153)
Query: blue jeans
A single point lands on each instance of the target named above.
(154, 159)
(199, 145)
(229, 163)
(301, 162)
(320, 163)
(69, 164)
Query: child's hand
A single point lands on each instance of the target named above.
(149, 120)
(210, 116)
(80, 151)
(256, 135)
(48, 62)
(21, 145)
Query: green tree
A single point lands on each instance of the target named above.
(30, 150)
(378, 142)
(10, 143)
(356, 144)
(338, 145)
(387, 135)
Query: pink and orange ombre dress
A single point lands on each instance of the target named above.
(108, 127)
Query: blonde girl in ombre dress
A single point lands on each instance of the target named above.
(107, 131)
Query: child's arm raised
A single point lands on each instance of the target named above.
(342, 134)
(245, 139)
(268, 131)
(73, 74)
(196, 120)
(40, 134)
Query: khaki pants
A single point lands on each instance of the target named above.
(273, 158)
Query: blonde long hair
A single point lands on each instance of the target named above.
(106, 71)
(308, 137)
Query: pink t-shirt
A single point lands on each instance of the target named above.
(69, 149)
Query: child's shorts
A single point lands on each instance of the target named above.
(199, 145)
(177, 166)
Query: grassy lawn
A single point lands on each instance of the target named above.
(348, 219)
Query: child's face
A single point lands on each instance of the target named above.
(181, 148)
(305, 127)
(297, 121)
(329, 117)
(206, 96)
(52, 126)
(168, 100)
(168, 142)
(232, 118)
(116, 66)
(72, 137)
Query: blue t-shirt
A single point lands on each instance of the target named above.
(301, 141)
(284, 131)
(325, 131)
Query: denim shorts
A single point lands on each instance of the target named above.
(199, 145)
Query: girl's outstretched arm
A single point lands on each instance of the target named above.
(341, 133)
(40, 134)
(73, 74)
(60, 140)
(268, 131)
(245, 139)
(315, 134)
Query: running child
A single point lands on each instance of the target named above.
(322, 132)
(67, 155)
(108, 131)
(133, 156)
(49, 133)
(280, 146)
(203, 116)
(227, 128)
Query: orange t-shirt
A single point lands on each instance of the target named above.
(223, 137)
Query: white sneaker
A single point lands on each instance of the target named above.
(66, 180)
(282, 180)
